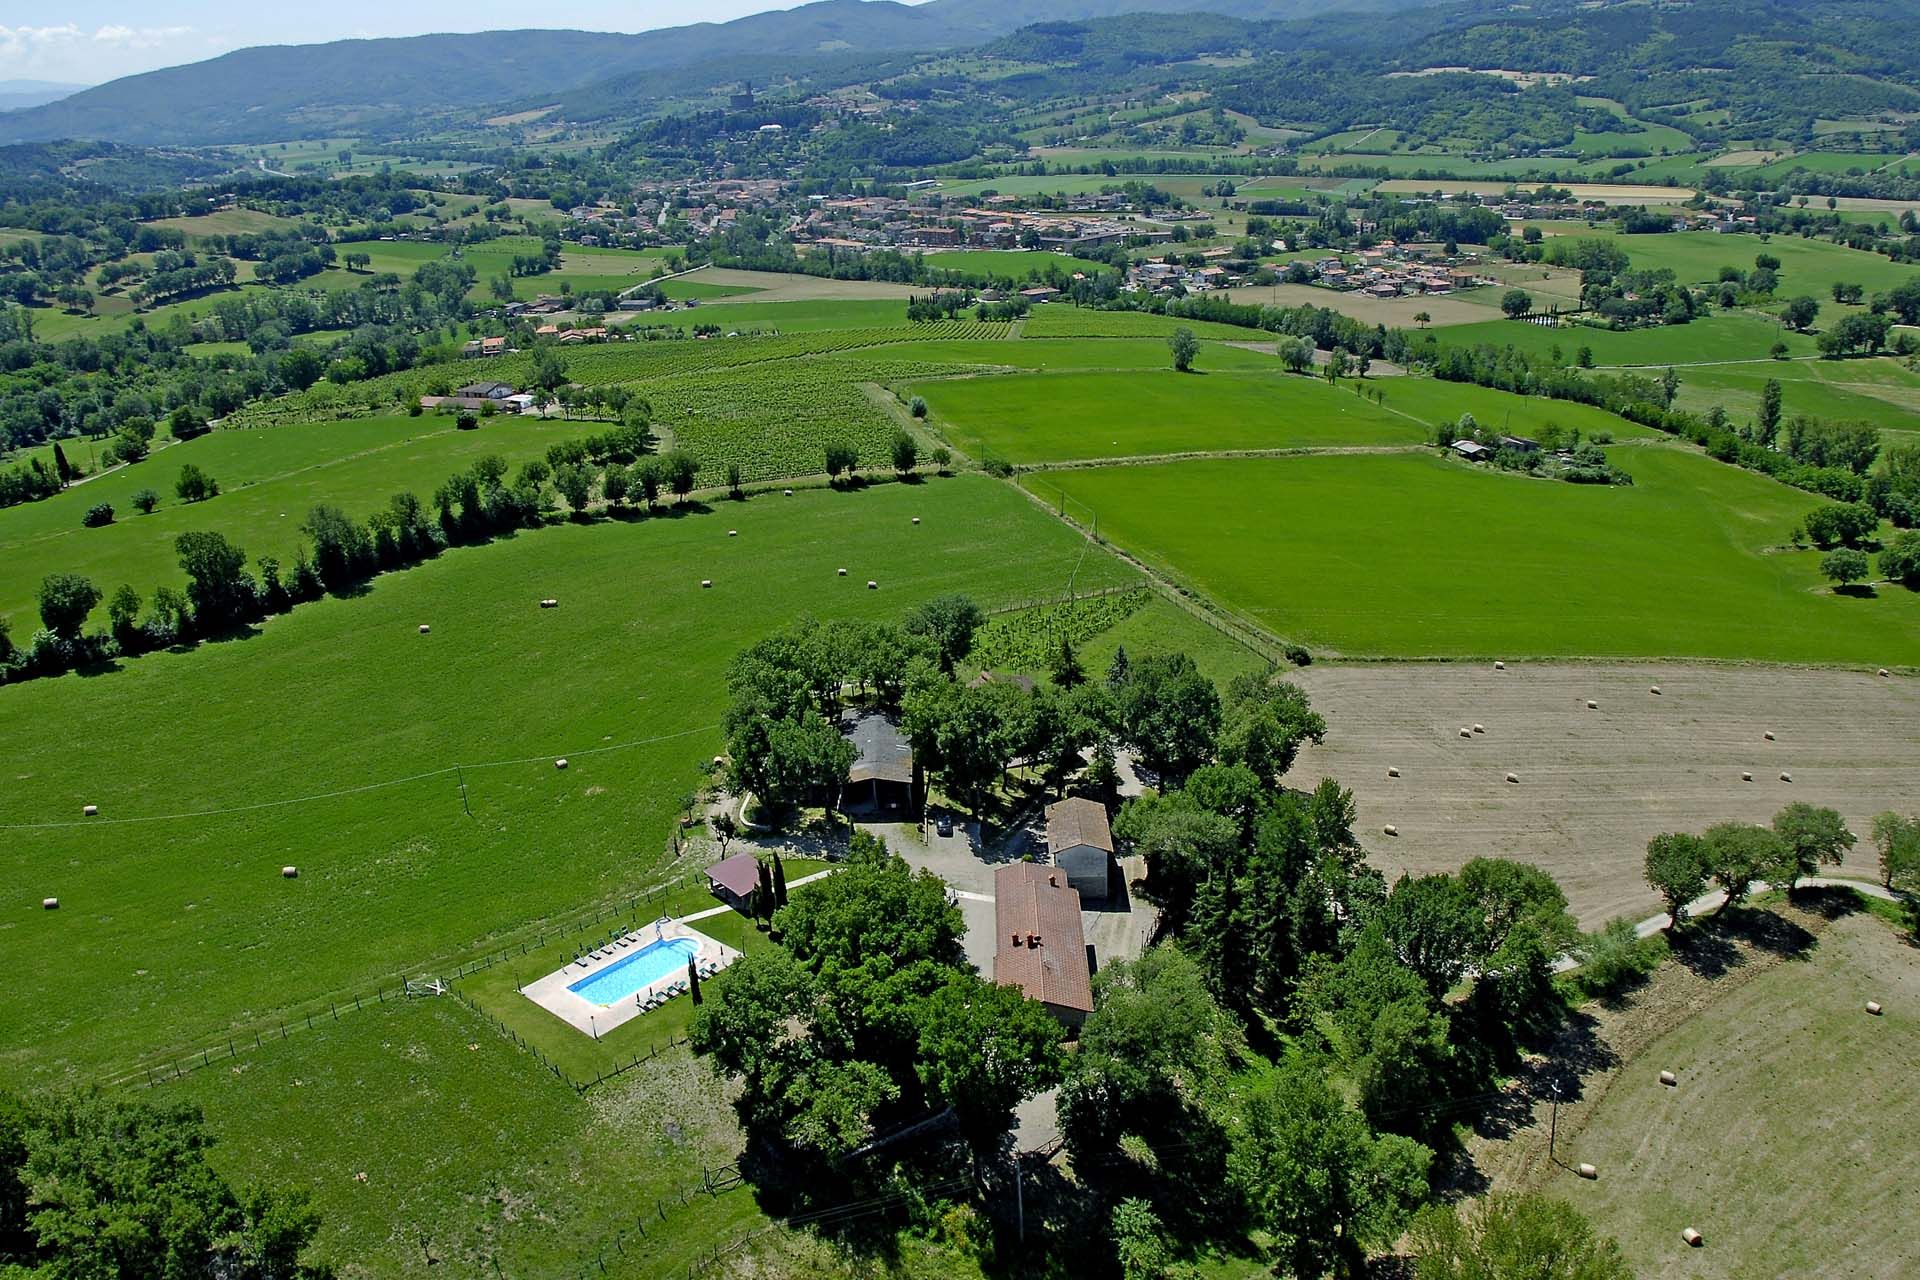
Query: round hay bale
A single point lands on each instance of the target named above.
(916, 519)
(1391, 830)
(1587, 1171)
(49, 904)
(872, 585)
(1393, 771)
(1513, 777)
(1785, 776)
(89, 810)
(290, 873)
(1768, 735)
(705, 583)
(843, 573)
(549, 603)
(1466, 732)
(561, 763)
(1499, 666)
(1669, 1079)
(1885, 673)
(788, 492)
(1873, 1007)
(1746, 777)
(1692, 1238)
(1479, 728)
(424, 628)
(1592, 705)
(733, 533)
(1655, 691)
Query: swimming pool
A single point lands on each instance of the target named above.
(636, 971)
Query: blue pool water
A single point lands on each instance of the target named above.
(636, 971)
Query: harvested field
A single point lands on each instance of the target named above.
(1596, 785)
(775, 286)
(1361, 306)
(1782, 1141)
(1605, 192)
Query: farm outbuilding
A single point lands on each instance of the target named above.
(733, 880)
(881, 777)
(1082, 845)
(1042, 948)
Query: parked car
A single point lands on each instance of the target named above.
(944, 824)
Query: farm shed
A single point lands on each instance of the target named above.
(1042, 949)
(1472, 451)
(1082, 845)
(733, 880)
(881, 776)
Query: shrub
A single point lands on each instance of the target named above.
(1298, 655)
(1616, 958)
(995, 465)
(101, 513)
(145, 500)
(917, 407)
(195, 485)
(1901, 560)
(466, 422)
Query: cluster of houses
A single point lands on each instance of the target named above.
(1389, 270)
(867, 222)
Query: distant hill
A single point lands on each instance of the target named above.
(16, 95)
(406, 85)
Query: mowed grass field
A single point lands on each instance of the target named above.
(175, 923)
(1735, 336)
(269, 479)
(1061, 417)
(1787, 1142)
(1419, 555)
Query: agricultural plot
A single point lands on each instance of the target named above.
(1806, 266)
(1422, 555)
(269, 479)
(1054, 320)
(1881, 391)
(1781, 1144)
(1070, 417)
(1738, 336)
(1069, 353)
(1606, 192)
(1434, 402)
(1596, 785)
(180, 927)
(1395, 313)
(1013, 266)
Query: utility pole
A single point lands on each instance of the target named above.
(464, 806)
(1553, 1124)
(1019, 1200)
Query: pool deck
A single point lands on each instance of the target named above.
(552, 994)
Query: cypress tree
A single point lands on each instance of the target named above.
(693, 980)
(779, 882)
(61, 466)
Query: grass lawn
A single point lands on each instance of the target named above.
(269, 480)
(1782, 1145)
(1063, 417)
(1414, 555)
(431, 1145)
(180, 928)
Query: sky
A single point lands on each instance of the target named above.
(93, 41)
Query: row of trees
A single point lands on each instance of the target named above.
(1737, 855)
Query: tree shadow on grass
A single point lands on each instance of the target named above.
(1703, 947)
(1766, 931)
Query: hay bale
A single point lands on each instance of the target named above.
(1393, 771)
(1465, 732)
(290, 873)
(561, 763)
(1656, 691)
(1499, 666)
(916, 519)
(788, 492)
(1391, 830)
(1746, 777)
(1587, 1171)
(424, 628)
(705, 583)
(1692, 1238)
(1884, 672)
(872, 585)
(1592, 705)
(49, 904)
(1479, 728)
(843, 573)
(1768, 735)
(89, 810)
(1669, 1079)
(1513, 777)
(1873, 1007)
(1785, 776)
(549, 603)
(733, 533)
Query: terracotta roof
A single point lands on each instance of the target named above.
(1041, 950)
(738, 875)
(1075, 822)
(884, 753)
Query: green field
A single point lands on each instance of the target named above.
(1414, 555)
(178, 928)
(1881, 391)
(1055, 320)
(1014, 266)
(269, 480)
(1062, 417)
(1807, 266)
(1734, 336)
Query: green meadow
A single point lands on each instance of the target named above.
(1014, 266)
(1065, 353)
(1065, 417)
(324, 741)
(1411, 555)
(1728, 336)
(269, 480)
(1807, 266)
